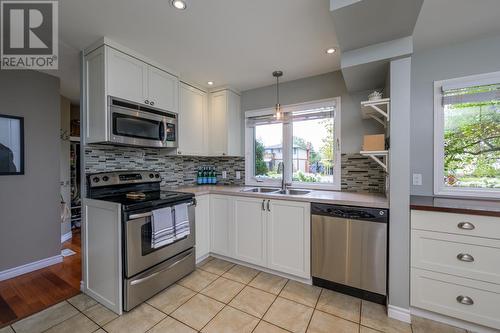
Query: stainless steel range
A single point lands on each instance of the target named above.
(147, 267)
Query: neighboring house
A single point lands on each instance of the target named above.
(273, 156)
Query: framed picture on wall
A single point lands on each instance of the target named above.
(11, 145)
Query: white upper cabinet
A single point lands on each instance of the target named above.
(162, 89)
(192, 121)
(127, 76)
(225, 127)
(288, 237)
(250, 230)
(137, 81)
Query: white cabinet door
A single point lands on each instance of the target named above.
(288, 237)
(218, 123)
(126, 76)
(234, 125)
(192, 121)
(162, 89)
(221, 217)
(202, 225)
(249, 230)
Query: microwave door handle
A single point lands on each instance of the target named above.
(162, 131)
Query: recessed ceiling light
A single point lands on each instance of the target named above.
(179, 4)
(210, 83)
(331, 50)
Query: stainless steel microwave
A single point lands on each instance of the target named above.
(134, 124)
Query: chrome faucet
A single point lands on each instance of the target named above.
(284, 184)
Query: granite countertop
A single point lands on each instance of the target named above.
(374, 200)
(453, 205)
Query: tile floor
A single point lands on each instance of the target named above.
(220, 297)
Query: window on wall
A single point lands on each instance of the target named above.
(305, 145)
(467, 136)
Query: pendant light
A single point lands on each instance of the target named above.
(277, 107)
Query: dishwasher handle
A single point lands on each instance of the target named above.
(351, 212)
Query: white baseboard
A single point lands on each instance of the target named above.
(67, 236)
(452, 321)
(398, 313)
(33, 266)
(200, 259)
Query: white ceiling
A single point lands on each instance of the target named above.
(237, 43)
(453, 21)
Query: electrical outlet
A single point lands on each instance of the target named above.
(224, 174)
(238, 174)
(417, 179)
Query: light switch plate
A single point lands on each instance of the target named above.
(238, 174)
(417, 179)
(224, 174)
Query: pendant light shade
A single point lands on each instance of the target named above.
(277, 108)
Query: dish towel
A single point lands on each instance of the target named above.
(182, 228)
(162, 228)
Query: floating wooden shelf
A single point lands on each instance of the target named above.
(378, 110)
(379, 156)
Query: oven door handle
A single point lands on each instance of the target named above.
(139, 216)
(141, 280)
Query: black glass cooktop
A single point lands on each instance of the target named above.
(149, 199)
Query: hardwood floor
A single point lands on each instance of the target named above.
(32, 292)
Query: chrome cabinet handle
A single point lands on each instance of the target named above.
(263, 205)
(138, 216)
(466, 300)
(465, 257)
(268, 205)
(466, 226)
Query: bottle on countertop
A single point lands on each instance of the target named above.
(214, 176)
(205, 175)
(199, 176)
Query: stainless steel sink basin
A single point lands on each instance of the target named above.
(293, 192)
(261, 190)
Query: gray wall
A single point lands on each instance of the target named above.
(473, 57)
(29, 204)
(314, 88)
(399, 180)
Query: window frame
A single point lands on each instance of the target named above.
(439, 187)
(287, 147)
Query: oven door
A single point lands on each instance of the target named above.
(139, 255)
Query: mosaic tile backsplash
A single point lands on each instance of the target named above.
(359, 173)
(174, 170)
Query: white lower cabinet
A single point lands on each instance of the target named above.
(274, 234)
(221, 220)
(202, 232)
(250, 230)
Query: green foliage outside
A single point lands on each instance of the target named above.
(260, 165)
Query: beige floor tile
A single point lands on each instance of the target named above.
(253, 301)
(198, 311)
(171, 298)
(198, 280)
(100, 331)
(364, 329)
(82, 302)
(422, 325)
(340, 305)
(170, 325)
(139, 320)
(241, 274)
(6, 329)
(289, 315)
(217, 266)
(265, 327)
(204, 261)
(301, 293)
(324, 323)
(268, 282)
(374, 315)
(45, 319)
(230, 320)
(75, 324)
(223, 289)
(100, 315)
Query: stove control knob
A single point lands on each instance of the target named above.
(105, 178)
(96, 179)
(157, 175)
(151, 175)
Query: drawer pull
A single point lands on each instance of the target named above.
(465, 257)
(466, 300)
(466, 226)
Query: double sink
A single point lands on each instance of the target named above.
(271, 190)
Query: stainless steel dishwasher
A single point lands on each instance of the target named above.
(349, 250)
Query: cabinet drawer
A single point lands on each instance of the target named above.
(469, 257)
(462, 224)
(442, 293)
